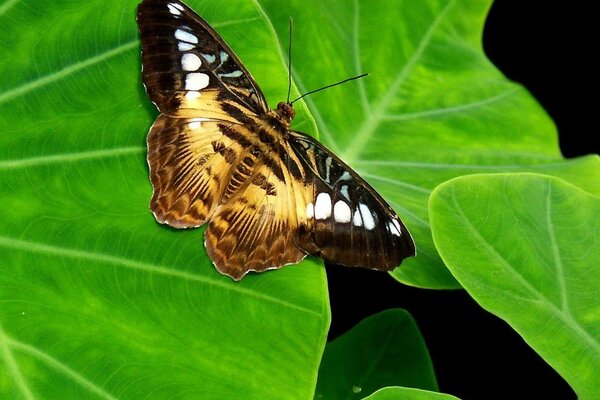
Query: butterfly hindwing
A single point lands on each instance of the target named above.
(348, 222)
(256, 229)
(188, 69)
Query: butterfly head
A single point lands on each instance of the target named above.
(285, 111)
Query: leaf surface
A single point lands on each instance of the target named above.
(98, 300)
(527, 248)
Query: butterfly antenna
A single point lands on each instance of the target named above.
(329, 86)
(290, 62)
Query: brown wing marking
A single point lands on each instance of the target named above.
(256, 229)
(191, 163)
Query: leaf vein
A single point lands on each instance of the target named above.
(68, 157)
(61, 367)
(357, 58)
(64, 72)
(12, 365)
(556, 253)
(451, 110)
(396, 182)
(7, 6)
(369, 126)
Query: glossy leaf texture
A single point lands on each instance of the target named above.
(533, 245)
(395, 393)
(433, 107)
(385, 349)
(98, 300)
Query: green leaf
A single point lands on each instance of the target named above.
(527, 248)
(395, 393)
(98, 300)
(386, 349)
(433, 108)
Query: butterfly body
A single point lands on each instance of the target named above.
(219, 156)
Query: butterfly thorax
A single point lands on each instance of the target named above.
(286, 112)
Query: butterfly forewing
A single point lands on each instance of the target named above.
(217, 154)
(348, 222)
(188, 69)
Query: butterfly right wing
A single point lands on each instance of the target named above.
(345, 221)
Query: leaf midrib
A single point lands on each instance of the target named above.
(24, 88)
(562, 315)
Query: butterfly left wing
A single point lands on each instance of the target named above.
(206, 98)
(188, 70)
(345, 220)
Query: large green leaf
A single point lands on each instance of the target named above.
(99, 301)
(383, 350)
(395, 393)
(527, 248)
(433, 108)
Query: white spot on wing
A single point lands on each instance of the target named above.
(185, 36)
(210, 58)
(345, 176)
(190, 62)
(357, 220)
(234, 74)
(183, 46)
(341, 212)
(174, 9)
(196, 81)
(345, 193)
(192, 95)
(367, 217)
(310, 210)
(323, 206)
(394, 227)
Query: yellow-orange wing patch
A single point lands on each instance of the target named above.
(257, 228)
(191, 164)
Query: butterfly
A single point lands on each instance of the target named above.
(218, 155)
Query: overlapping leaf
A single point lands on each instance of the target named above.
(386, 349)
(534, 254)
(394, 393)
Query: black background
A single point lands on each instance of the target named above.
(547, 47)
